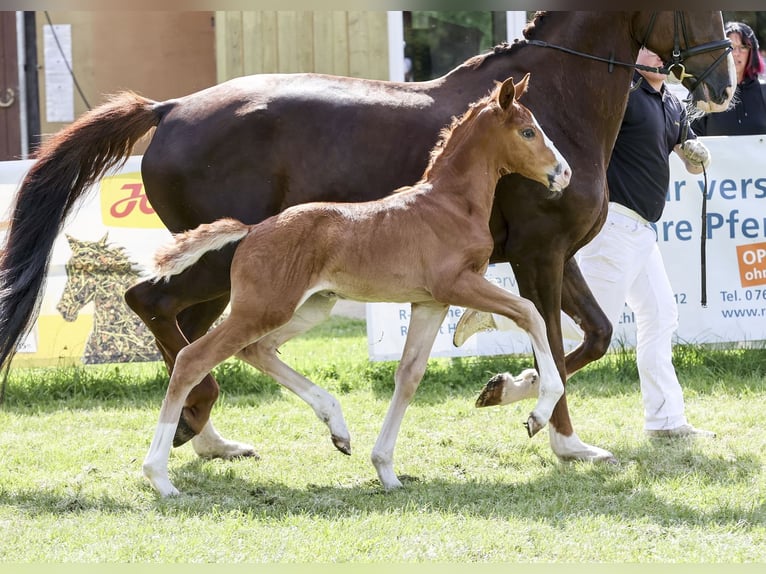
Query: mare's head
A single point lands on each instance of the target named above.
(523, 146)
(694, 47)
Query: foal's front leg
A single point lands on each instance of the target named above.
(425, 320)
(472, 290)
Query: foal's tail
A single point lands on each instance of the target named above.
(66, 166)
(187, 247)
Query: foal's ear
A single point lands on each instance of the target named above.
(510, 91)
(521, 87)
(506, 94)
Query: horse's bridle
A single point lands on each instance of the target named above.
(676, 65)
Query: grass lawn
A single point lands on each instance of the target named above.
(477, 490)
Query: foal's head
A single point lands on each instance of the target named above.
(522, 145)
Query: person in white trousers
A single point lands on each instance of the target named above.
(623, 262)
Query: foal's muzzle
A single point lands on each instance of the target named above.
(559, 179)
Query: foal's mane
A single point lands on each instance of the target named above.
(455, 131)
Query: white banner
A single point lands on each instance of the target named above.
(736, 264)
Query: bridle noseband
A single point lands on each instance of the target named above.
(676, 65)
(678, 55)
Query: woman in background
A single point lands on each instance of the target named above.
(748, 114)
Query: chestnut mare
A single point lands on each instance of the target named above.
(428, 244)
(253, 146)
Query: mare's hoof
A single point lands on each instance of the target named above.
(342, 444)
(470, 323)
(184, 433)
(504, 388)
(492, 393)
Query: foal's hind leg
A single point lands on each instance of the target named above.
(262, 355)
(425, 321)
(192, 363)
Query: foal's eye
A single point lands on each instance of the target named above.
(528, 133)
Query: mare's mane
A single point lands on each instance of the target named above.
(505, 48)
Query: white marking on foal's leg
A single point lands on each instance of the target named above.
(155, 465)
(327, 408)
(425, 321)
(210, 444)
(551, 390)
(572, 448)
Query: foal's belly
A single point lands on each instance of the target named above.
(380, 292)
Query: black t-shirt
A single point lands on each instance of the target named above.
(639, 170)
(747, 117)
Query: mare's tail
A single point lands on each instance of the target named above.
(66, 166)
(187, 247)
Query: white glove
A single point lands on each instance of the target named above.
(696, 153)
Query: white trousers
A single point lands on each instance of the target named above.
(622, 265)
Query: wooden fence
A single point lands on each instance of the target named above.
(331, 42)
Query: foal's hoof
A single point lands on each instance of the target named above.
(342, 444)
(184, 433)
(533, 426)
(470, 323)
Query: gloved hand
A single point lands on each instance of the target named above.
(695, 152)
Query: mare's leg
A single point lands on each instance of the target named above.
(192, 363)
(425, 321)
(179, 311)
(544, 286)
(473, 290)
(263, 356)
(578, 302)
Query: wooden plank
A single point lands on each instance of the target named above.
(331, 43)
(378, 50)
(368, 45)
(287, 59)
(229, 38)
(304, 41)
(269, 44)
(340, 43)
(221, 39)
(295, 41)
(252, 47)
(323, 43)
(358, 34)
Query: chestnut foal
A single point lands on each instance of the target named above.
(428, 244)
